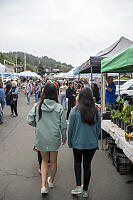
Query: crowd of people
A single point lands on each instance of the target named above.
(50, 116)
(50, 113)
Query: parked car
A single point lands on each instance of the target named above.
(116, 81)
(126, 88)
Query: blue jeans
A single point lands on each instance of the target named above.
(1, 114)
(28, 97)
(63, 97)
(36, 97)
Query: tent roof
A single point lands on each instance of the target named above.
(95, 61)
(123, 62)
(27, 73)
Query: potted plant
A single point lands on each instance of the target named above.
(112, 115)
(127, 116)
(113, 118)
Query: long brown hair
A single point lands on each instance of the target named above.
(49, 92)
(86, 106)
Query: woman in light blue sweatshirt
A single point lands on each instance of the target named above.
(83, 133)
(49, 119)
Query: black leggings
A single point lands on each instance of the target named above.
(87, 158)
(14, 108)
(70, 106)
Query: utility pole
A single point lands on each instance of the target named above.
(16, 65)
(24, 61)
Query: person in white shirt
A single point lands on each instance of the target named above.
(28, 90)
(63, 89)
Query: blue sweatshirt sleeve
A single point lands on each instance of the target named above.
(71, 127)
(2, 98)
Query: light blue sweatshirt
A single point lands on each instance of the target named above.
(81, 135)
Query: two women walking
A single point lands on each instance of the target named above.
(84, 127)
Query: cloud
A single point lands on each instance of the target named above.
(69, 31)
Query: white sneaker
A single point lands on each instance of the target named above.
(50, 185)
(67, 122)
(44, 190)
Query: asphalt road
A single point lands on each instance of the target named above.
(19, 179)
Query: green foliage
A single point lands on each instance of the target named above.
(124, 115)
(41, 69)
(19, 60)
(30, 67)
(127, 114)
(4, 56)
(115, 114)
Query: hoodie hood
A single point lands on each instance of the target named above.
(48, 105)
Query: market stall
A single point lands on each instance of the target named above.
(93, 65)
(123, 113)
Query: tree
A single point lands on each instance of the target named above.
(41, 69)
(30, 67)
(19, 60)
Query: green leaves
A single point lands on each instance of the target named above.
(124, 115)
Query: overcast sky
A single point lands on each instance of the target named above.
(67, 30)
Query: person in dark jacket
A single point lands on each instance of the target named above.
(7, 92)
(71, 95)
(14, 99)
(8, 87)
(95, 92)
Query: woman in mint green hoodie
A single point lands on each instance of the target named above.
(49, 119)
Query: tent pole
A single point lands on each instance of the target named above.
(119, 84)
(91, 76)
(79, 76)
(101, 110)
(102, 104)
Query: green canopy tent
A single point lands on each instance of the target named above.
(121, 63)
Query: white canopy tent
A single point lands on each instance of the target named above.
(60, 75)
(36, 75)
(70, 74)
(28, 73)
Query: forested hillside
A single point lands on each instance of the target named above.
(34, 63)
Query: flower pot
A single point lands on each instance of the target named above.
(122, 124)
(114, 120)
(117, 121)
(119, 124)
(125, 126)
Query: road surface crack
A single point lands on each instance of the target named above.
(7, 173)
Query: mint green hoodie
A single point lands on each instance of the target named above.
(51, 128)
